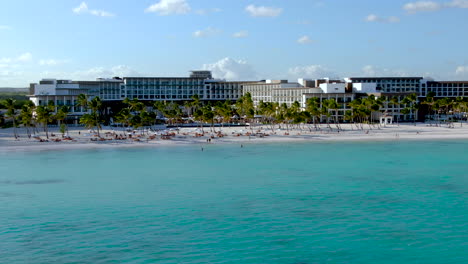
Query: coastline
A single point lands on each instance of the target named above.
(185, 137)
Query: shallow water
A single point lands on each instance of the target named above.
(374, 202)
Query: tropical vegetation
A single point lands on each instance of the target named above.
(135, 114)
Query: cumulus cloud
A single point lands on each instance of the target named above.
(430, 6)
(462, 71)
(208, 32)
(305, 40)
(375, 18)
(231, 69)
(263, 11)
(83, 9)
(169, 7)
(241, 34)
(311, 71)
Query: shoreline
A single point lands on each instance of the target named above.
(185, 137)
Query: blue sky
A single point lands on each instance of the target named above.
(236, 39)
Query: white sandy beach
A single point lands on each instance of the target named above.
(82, 138)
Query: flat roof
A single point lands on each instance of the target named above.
(386, 78)
(197, 78)
(447, 82)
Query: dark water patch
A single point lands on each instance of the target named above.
(447, 187)
(51, 181)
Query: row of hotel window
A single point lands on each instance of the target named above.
(130, 83)
(178, 97)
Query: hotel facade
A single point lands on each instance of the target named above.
(201, 83)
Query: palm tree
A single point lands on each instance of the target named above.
(90, 120)
(95, 104)
(124, 117)
(268, 111)
(430, 103)
(326, 111)
(82, 101)
(313, 107)
(245, 107)
(332, 105)
(224, 111)
(410, 102)
(208, 115)
(294, 113)
(27, 117)
(11, 113)
(61, 115)
(394, 102)
(44, 115)
(459, 105)
(445, 105)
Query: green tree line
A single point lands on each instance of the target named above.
(136, 114)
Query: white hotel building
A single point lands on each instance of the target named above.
(201, 83)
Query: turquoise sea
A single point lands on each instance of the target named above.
(372, 202)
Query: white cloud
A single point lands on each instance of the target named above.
(5, 27)
(241, 34)
(14, 62)
(263, 11)
(311, 71)
(462, 71)
(375, 18)
(169, 7)
(422, 6)
(430, 6)
(83, 9)
(25, 57)
(231, 69)
(208, 32)
(208, 11)
(305, 40)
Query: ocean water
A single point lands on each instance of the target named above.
(372, 202)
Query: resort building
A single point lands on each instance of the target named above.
(201, 83)
(163, 88)
(278, 91)
(221, 90)
(446, 88)
(391, 84)
(65, 92)
(343, 100)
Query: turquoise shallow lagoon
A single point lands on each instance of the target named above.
(373, 202)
